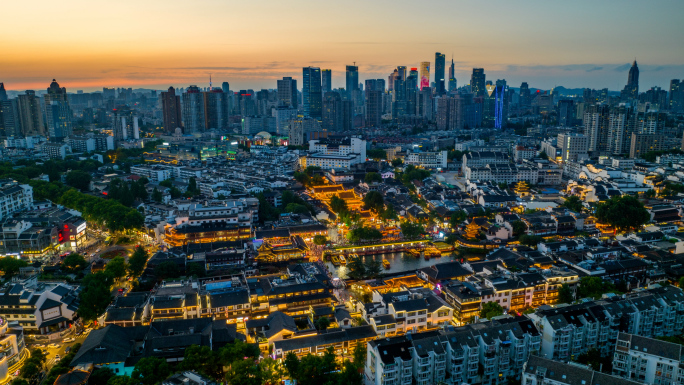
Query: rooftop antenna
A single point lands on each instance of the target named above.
(210, 87)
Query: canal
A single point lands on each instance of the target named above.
(398, 262)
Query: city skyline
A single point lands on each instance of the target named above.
(588, 46)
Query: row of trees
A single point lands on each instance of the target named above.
(290, 203)
(126, 193)
(107, 212)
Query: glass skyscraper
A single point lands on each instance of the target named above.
(312, 97)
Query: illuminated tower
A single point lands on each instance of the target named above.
(452, 77)
(439, 73)
(477, 82)
(424, 74)
(352, 79)
(632, 88)
(171, 110)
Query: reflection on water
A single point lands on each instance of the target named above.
(398, 262)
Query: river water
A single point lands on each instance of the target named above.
(399, 262)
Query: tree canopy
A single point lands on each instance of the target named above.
(593, 287)
(374, 201)
(573, 203)
(116, 267)
(411, 230)
(624, 213)
(565, 294)
(73, 263)
(95, 295)
(491, 309)
(10, 266)
(372, 177)
(79, 179)
(137, 261)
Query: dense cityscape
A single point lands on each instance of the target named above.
(432, 225)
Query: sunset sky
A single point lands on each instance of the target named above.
(88, 44)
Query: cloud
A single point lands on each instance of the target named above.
(595, 68)
(622, 68)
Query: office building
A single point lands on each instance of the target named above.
(312, 98)
(425, 106)
(453, 85)
(125, 124)
(326, 80)
(352, 80)
(622, 123)
(336, 154)
(543, 371)
(287, 92)
(3, 92)
(647, 360)
(58, 114)
(573, 147)
(566, 113)
(171, 110)
(283, 115)
(30, 114)
(477, 82)
(524, 98)
(596, 125)
(193, 110)
(676, 96)
(225, 87)
(440, 65)
(643, 143)
(437, 159)
(299, 127)
(80, 143)
(424, 74)
(55, 150)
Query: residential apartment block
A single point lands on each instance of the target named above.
(647, 360)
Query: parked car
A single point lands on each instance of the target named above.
(53, 346)
(68, 340)
(57, 358)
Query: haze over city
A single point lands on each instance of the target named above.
(155, 43)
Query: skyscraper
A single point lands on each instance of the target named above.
(424, 74)
(439, 73)
(676, 97)
(453, 86)
(193, 110)
(596, 119)
(10, 118)
(3, 93)
(311, 92)
(287, 92)
(215, 113)
(171, 110)
(477, 82)
(412, 92)
(58, 114)
(30, 114)
(225, 87)
(352, 77)
(631, 90)
(326, 80)
(524, 94)
(333, 112)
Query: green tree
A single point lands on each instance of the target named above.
(245, 372)
(625, 213)
(389, 214)
(116, 267)
(376, 154)
(530, 240)
(373, 201)
(543, 155)
(573, 203)
(95, 295)
(356, 269)
(491, 309)
(322, 323)
(650, 193)
(192, 186)
(593, 287)
(372, 177)
(296, 208)
(175, 192)
(598, 362)
(21, 381)
(79, 179)
(519, 227)
(29, 370)
(137, 261)
(121, 380)
(195, 270)
(338, 204)
(100, 376)
(238, 350)
(10, 266)
(203, 360)
(150, 371)
(565, 294)
(364, 234)
(73, 263)
(166, 270)
(681, 282)
(157, 195)
(313, 370)
(373, 268)
(320, 240)
(457, 218)
(396, 162)
(411, 230)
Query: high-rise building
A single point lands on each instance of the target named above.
(352, 77)
(193, 110)
(453, 85)
(215, 109)
(440, 65)
(3, 92)
(477, 82)
(10, 120)
(30, 114)
(566, 113)
(326, 80)
(596, 119)
(58, 114)
(524, 95)
(424, 74)
(373, 108)
(676, 97)
(643, 143)
(425, 107)
(312, 98)
(573, 147)
(287, 92)
(171, 110)
(621, 125)
(225, 87)
(631, 90)
(412, 91)
(125, 124)
(332, 112)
